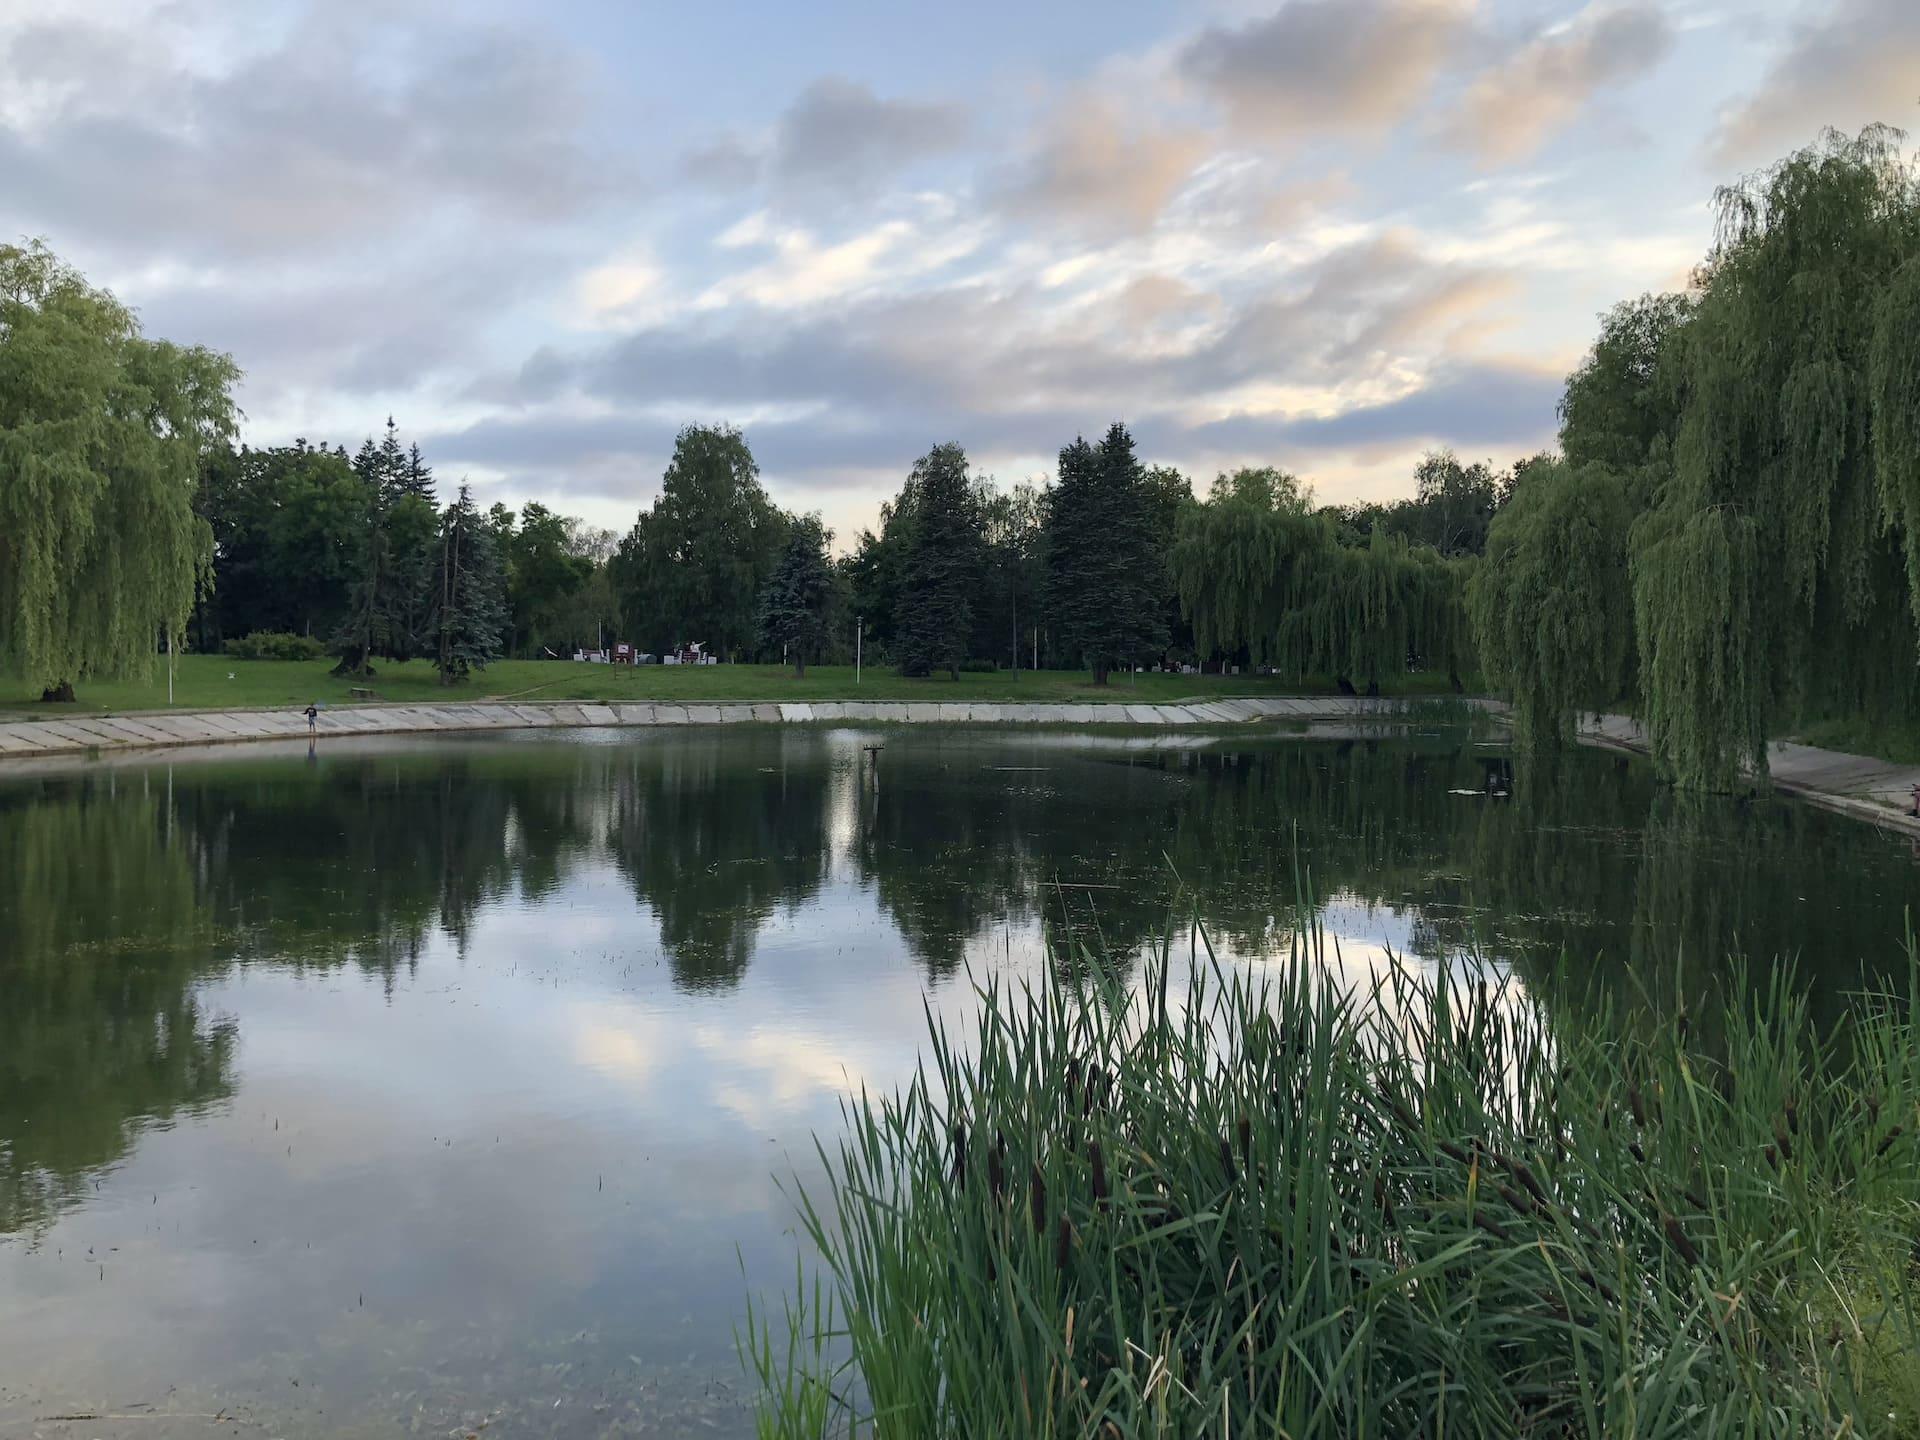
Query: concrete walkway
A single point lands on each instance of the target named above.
(1869, 789)
(79, 736)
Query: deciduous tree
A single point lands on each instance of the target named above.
(693, 565)
(101, 437)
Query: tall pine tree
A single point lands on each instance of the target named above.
(793, 607)
(946, 555)
(469, 609)
(390, 598)
(1107, 582)
(367, 628)
(418, 478)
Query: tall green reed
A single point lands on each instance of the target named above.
(1217, 1200)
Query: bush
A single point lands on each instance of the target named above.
(274, 645)
(979, 667)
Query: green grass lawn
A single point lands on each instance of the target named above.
(209, 682)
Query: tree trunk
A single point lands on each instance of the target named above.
(799, 666)
(1099, 674)
(58, 694)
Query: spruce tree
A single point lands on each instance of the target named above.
(418, 479)
(366, 630)
(392, 465)
(793, 606)
(1107, 581)
(389, 598)
(470, 601)
(945, 559)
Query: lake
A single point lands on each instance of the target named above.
(427, 1086)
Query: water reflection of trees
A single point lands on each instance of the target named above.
(105, 934)
(715, 832)
(120, 896)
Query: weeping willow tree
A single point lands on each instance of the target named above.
(101, 435)
(1775, 577)
(1274, 579)
(1549, 600)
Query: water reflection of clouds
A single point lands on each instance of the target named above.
(645, 974)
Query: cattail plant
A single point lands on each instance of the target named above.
(1450, 1207)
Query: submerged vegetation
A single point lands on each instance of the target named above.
(1426, 1205)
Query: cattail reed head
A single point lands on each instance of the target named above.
(1637, 1104)
(996, 1167)
(1063, 1243)
(1226, 1161)
(1677, 1238)
(1039, 1199)
(960, 1153)
(1633, 1149)
(1887, 1143)
(1246, 1142)
(1099, 1172)
(1793, 1115)
(1786, 1145)
(1383, 1197)
(1524, 1174)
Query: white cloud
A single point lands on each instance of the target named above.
(806, 271)
(1522, 100)
(1854, 63)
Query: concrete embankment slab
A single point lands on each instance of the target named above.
(84, 734)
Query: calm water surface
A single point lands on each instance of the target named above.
(419, 1084)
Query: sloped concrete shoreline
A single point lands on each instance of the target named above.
(1858, 785)
(82, 736)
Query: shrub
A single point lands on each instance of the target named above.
(979, 667)
(274, 645)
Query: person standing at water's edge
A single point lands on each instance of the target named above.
(313, 718)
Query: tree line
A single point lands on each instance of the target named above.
(1726, 543)
(315, 552)
(137, 524)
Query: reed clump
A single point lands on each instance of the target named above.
(1213, 1202)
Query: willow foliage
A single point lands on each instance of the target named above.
(1274, 579)
(1549, 599)
(101, 435)
(1768, 576)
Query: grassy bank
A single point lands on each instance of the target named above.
(1433, 1209)
(212, 682)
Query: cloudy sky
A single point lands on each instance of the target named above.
(1326, 234)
